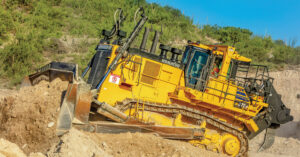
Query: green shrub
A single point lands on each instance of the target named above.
(21, 56)
(6, 24)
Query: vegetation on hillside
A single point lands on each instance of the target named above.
(262, 50)
(32, 32)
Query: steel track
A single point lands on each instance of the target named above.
(190, 113)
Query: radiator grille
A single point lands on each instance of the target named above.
(150, 72)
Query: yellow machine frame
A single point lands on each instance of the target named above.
(144, 79)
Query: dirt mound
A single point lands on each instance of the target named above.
(76, 144)
(8, 149)
(28, 117)
(5, 93)
(147, 145)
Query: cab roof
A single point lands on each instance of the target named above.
(222, 50)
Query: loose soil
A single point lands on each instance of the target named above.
(146, 145)
(76, 144)
(26, 115)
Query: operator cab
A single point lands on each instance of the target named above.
(204, 61)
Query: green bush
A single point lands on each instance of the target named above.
(18, 3)
(21, 56)
(6, 24)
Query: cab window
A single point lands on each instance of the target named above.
(186, 54)
(198, 62)
(216, 67)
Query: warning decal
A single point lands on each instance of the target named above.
(114, 79)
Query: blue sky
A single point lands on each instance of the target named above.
(278, 18)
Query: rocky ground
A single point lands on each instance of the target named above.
(28, 121)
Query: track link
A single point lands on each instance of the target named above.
(191, 113)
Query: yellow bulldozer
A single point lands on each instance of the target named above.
(207, 95)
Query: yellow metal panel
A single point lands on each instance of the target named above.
(170, 74)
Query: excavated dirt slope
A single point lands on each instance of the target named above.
(28, 119)
(28, 116)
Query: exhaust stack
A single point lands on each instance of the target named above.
(155, 41)
(145, 38)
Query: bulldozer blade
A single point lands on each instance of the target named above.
(83, 105)
(75, 107)
(268, 139)
(64, 122)
(64, 71)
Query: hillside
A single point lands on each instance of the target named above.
(32, 33)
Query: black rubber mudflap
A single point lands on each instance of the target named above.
(98, 67)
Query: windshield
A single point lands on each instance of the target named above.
(103, 47)
(198, 61)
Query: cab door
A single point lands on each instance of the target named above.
(197, 68)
